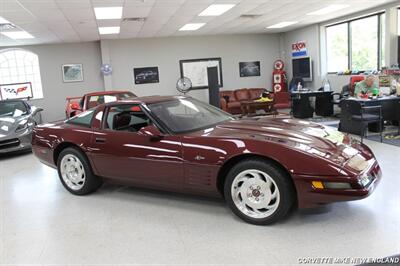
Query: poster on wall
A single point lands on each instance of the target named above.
(299, 49)
(146, 75)
(196, 71)
(72, 72)
(16, 91)
(249, 69)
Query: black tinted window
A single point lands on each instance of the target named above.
(126, 118)
(83, 119)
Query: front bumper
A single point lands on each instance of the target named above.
(18, 142)
(309, 197)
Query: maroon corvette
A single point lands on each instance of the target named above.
(261, 166)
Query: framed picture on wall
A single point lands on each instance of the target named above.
(196, 71)
(250, 69)
(16, 91)
(72, 72)
(145, 75)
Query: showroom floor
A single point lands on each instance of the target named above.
(41, 223)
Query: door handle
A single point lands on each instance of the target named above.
(100, 140)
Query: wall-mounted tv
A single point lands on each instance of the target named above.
(302, 68)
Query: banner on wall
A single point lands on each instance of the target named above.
(299, 49)
(16, 91)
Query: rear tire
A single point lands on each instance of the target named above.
(75, 172)
(259, 192)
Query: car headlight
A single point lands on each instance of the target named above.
(22, 125)
(365, 180)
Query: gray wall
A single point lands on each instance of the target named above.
(124, 55)
(310, 35)
(51, 58)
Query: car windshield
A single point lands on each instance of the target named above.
(96, 100)
(187, 114)
(12, 108)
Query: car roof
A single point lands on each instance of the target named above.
(105, 93)
(148, 99)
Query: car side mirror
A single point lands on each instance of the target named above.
(75, 106)
(37, 110)
(152, 132)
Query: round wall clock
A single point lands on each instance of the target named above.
(106, 69)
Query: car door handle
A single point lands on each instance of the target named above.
(100, 140)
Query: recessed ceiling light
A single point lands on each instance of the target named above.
(327, 10)
(216, 10)
(3, 20)
(192, 26)
(109, 30)
(108, 12)
(282, 24)
(17, 35)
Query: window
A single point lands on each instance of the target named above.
(357, 44)
(128, 118)
(186, 114)
(83, 119)
(20, 66)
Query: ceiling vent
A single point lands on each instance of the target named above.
(7, 26)
(250, 16)
(138, 19)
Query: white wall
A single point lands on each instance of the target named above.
(310, 35)
(51, 58)
(124, 55)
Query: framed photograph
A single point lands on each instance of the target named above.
(72, 72)
(196, 71)
(250, 69)
(145, 75)
(16, 91)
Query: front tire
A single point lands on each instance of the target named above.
(259, 192)
(75, 172)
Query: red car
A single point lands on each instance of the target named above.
(261, 166)
(77, 105)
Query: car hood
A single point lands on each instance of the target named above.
(8, 125)
(307, 137)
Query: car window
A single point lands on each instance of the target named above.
(128, 118)
(13, 108)
(83, 119)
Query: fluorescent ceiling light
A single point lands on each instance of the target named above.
(192, 26)
(4, 21)
(327, 10)
(108, 12)
(17, 35)
(109, 30)
(282, 24)
(216, 10)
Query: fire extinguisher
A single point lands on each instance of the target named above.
(279, 77)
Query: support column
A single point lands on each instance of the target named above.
(105, 59)
(391, 36)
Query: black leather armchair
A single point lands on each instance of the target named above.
(366, 115)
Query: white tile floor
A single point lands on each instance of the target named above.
(41, 223)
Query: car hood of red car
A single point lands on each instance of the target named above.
(308, 137)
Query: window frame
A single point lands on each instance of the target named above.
(349, 39)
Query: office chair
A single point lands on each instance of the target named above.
(365, 115)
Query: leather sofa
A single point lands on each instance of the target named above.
(230, 100)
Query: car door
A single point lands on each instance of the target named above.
(120, 152)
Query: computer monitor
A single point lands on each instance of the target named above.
(302, 68)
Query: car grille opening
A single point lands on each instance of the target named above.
(5, 144)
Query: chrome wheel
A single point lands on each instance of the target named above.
(255, 194)
(72, 172)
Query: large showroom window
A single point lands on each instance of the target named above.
(357, 44)
(20, 66)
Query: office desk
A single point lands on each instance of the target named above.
(390, 112)
(301, 106)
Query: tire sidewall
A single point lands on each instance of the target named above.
(87, 187)
(284, 185)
